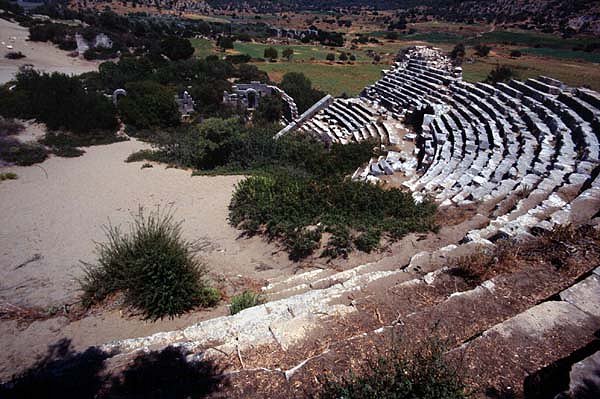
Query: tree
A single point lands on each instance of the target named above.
(330, 57)
(217, 138)
(482, 50)
(515, 54)
(287, 53)
(458, 52)
(271, 53)
(149, 105)
(299, 87)
(176, 48)
(352, 57)
(343, 56)
(269, 110)
(502, 73)
(249, 73)
(69, 107)
(392, 35)
(225, 42)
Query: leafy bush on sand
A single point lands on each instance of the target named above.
(285, 206)
(152, 265)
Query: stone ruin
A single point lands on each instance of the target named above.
(185, 104)
(523, 155)
(248, 96)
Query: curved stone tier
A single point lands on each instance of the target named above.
(525, 155)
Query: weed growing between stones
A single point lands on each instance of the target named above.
(422, 374)
(247, 299)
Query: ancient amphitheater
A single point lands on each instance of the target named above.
(521, 157)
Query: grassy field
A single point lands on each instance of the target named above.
(332, 78)
(572, 73)
(575, 68)
(531, 39)
(203, 47)
(562, 54)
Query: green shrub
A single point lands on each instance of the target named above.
(368, 241)
(283, 205)
(502, 73)
(22, 154)
(8, 176)
(339, 244)
(54, 139)
(299, 87)
(245, 300)
(145, 155)
(70, 107)
(271, 53)
(152, 265)
(10, 127)
(423, 374)
(149, 104)
(482, 50)
(303, 243)
(67, 151)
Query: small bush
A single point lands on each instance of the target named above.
(8, 176)
(67, 151)
(245, 300)
(502, 73)
(15, 55)
(482, 50)
(283, 206)
(152, 265)
(303, 243)
(423, 374)
(271, 53)
(52, 139)
(368, 241)
(10, 127)
(340, 243)
(147, 165)
(145, 155)
(22, 154)
(515, 53)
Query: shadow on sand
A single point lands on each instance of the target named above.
(64, 373)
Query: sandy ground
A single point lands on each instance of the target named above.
(56, 218)
(43, 56)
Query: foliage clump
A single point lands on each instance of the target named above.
(501, 73)
(22, 154)
(424, 374)
(283, 207)
(299, 87)
(70, 107)
(8, 176)
(246, 299)
(152, 265)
